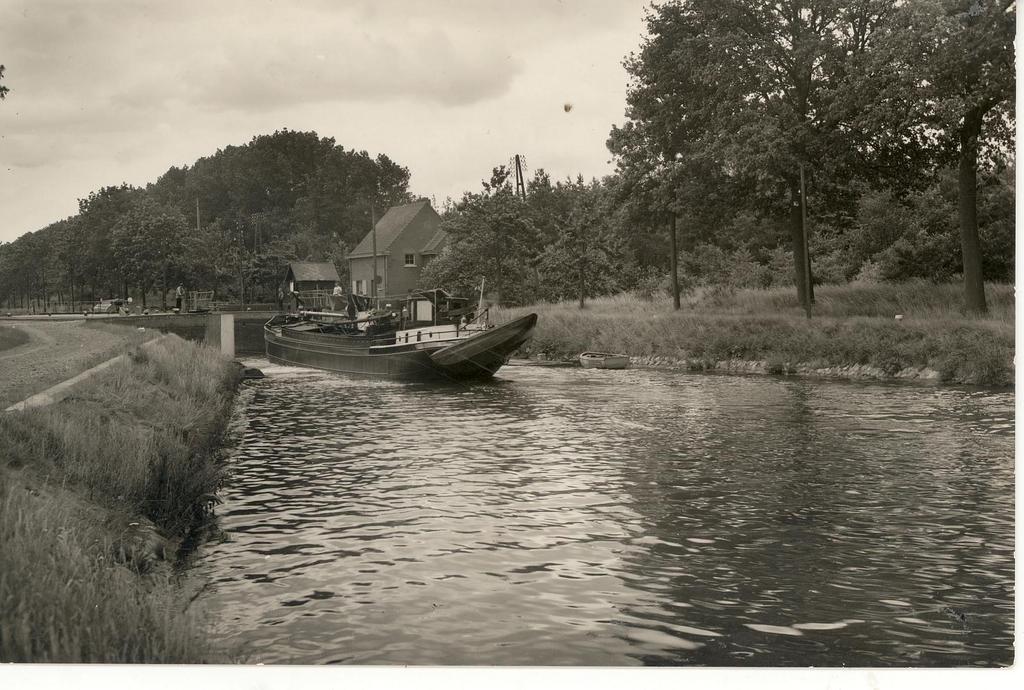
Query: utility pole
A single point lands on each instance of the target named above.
(241, 265)
(807, 252)
(675, 267)
(373, 231)
(520, 183)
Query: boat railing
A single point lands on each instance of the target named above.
(316, 299)
(199, 301)
(343, 316)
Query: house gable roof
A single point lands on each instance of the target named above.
(313, 271)
(436, 242)
(389, 228)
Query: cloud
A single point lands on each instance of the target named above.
(417, 65)
(115, 90)
(269, 55)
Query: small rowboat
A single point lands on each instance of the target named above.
(603, 360)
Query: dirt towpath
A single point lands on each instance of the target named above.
(56, 351)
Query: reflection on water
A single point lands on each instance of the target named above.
(562, 516)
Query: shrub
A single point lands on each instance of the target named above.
(868, 273)
(650, 283)
(780, 267)
(968, 358)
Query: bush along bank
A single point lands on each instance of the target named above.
(945, 349)
(96, 494)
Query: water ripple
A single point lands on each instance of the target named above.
(555, 517)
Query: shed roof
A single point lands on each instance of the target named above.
(389, 228)
(313, 271)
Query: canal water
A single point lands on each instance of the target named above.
(564, 516)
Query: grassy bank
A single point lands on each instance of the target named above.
(96, 493)
(56, 351)
(853, 326)
(11, 337)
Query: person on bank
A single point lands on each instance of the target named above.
(179, 296)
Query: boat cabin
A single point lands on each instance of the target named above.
(423, 316)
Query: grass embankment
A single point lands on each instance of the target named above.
(94, 492)
(11, 337)
(852, 333)
(56, 351)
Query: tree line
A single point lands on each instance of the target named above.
(898, 116)
(228, 223)
(889, 124)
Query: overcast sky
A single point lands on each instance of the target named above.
(109, 92)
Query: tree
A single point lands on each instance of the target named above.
(581, 261)
(3, 89)
(147, 242)
(730, 97)
(961, 58)
(66, 240)
(490, 235)
(97, 214)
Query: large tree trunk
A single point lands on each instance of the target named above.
(974, 282)
(796, 232)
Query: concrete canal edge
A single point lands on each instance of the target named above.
(849, 372)
(856, 372)
(240, 332)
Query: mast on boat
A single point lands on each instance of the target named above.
(480, 302)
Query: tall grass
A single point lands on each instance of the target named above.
(141, 436)
(137, 445)
(64, 598)
(918, 299)
(852, 325)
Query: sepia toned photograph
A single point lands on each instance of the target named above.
(550, 335)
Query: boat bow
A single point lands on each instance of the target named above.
(487, 351)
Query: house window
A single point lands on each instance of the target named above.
(410, 259)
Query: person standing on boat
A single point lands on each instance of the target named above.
(337, 298)
(179, 295)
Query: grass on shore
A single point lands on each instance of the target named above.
(92, 489)
(917, 299)
(852, 324)
(66, 599)
(11, 337)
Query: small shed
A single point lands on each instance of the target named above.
(304, 276)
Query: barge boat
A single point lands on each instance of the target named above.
(432, 336)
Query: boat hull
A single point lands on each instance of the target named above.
(478, 357)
